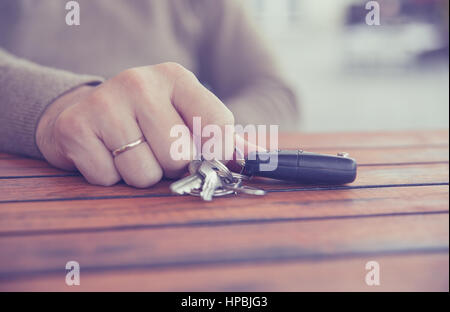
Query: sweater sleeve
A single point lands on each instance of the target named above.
(26, 89)
(239, 66)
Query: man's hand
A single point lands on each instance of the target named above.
(81, 128)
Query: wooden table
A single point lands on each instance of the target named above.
(294, 239)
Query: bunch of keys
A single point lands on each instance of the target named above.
(210, 178)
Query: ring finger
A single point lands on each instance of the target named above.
(138, 165)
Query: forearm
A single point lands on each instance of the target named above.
(26, 89)
(243, 72)
(266, 103)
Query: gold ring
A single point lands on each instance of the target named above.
(128, 146)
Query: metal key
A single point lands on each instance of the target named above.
(187, 184)
(239, 188)
(211, 182)
(209, 178)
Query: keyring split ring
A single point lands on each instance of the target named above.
(222, 170)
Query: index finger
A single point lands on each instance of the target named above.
(191, 99)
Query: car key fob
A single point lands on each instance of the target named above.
(302, 167)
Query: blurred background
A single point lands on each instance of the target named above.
(351, 76)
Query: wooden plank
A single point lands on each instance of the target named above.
(18, 167)
(375, 176)
(397, 155)
(427, 272)
(77, 187)
(45, 217)
(28, 167)
(419, 143)
(201, 245)
(9, 156)
(350, 140)
(70, 187)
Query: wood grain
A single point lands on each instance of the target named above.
(23, 167)
(8, 156)
(372, 140)
(350, 140)
(398, 273)
(293, 239)
(60, 188)
(110, 214)
(200, 245)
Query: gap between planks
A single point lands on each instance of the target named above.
(19, 219)
(424, 272)
(75, 188)
(168, 247)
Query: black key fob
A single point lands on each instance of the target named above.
(302, 167)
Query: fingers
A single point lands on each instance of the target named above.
(191, 99)
(88, 140)
(95, 162)
(147, 102)
(138, 166)
(145, 97)
(116, 126)
(85, 150)
(168, 95)
(172, 96)
(156, 117)
(157, 129)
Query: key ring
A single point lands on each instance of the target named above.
(217, 193)
(194, 165)
(239, 176)
(226, 173)
(232, 181)
(222, 170)
(193, 168)
(246, 190)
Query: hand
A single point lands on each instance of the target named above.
(81, 128)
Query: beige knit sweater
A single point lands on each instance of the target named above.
(41, 57)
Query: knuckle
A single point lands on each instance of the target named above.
(101, 104)
(172, 67)
(173, 70)
(70, 126)
(100, 99)
(106, 111)
(135, 78)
